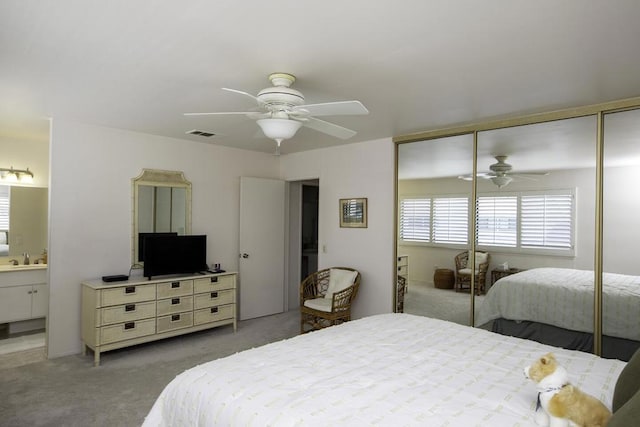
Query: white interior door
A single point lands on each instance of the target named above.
(262, 243)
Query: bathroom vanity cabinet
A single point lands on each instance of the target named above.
(24, 294)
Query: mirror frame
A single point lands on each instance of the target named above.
(156, 178)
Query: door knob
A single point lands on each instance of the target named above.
(245, 255)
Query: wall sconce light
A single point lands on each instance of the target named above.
(14, 176)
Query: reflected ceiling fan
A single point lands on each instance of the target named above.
(281, 111)
(502, 173)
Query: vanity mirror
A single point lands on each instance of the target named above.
(23, 221)
(161, 204)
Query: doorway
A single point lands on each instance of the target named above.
(302, 258)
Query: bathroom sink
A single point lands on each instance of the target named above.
(9, 267)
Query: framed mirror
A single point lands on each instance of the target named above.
(161, 204)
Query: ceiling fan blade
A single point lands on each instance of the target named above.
(340, 108)
(530, 173)
(329, 128)
(241, 92)
(255, 115)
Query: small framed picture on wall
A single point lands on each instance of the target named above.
(353, 213)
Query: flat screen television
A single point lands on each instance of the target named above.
(168, 254)
(143, 236)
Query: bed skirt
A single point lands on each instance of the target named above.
(612, 347)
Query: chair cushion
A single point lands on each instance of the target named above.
(339, 280)
(628, 383)
(466, 271)
(320, 304)
(481, 258)
(627, 414)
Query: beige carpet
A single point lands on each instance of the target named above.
(69, 391)
(444, 304)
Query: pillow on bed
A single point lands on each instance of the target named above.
(628, 382)
(628, 414)
(339, 280)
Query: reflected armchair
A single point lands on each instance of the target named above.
(326, 297)
(463, 271)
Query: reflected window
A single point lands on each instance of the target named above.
(415, 220)
(497, 221)
(443, 220)
(547, 221)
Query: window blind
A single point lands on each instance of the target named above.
(415, 219)
(497, 221)
(546, 221)
(450, 220)
(4, 207)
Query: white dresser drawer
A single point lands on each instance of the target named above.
(126, 331)
(127, 312)
(215, 283)
(214, 314)
(175, 321)
(174, 305)
(210, 299)
(127, 294)
(175, 288)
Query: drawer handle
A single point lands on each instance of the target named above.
(214, 280)
(175, 317)
(129, 325)
(175, 301)
(214, 309)
(175, 285)
(130, 290)
(130, 307)
(214, 295)
(399, 268)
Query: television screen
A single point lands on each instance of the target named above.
(167, 254)
(143, 236)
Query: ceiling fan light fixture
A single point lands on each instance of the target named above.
(279, 129)
(501, 180)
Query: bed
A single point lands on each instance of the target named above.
(555, 306)
(384, 370)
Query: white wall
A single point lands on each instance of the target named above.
(91, 209)
(22, 153)
(354, 170)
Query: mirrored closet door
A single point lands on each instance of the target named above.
(434, 206)
(621, 234)
(535, 216)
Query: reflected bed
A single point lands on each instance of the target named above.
(387, 370)
(555, 306)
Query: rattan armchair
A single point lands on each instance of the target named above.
(401, 289)
(317, 309)
(463, 272)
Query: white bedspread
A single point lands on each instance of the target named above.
(564, 297)
(385, 370)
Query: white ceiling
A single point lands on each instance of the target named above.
(415, 64)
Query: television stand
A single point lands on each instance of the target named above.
(136, 311)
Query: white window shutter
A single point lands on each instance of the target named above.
(415, 220)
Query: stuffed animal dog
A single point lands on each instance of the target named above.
(559, 403)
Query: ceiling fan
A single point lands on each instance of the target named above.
(281, 111)
(501, 173)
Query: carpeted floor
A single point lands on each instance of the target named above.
(445, 304)
(69, 391)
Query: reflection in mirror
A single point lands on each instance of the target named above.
(434, 222)
(23, 222)
(621, 234)
(161, 203)
(542, 250)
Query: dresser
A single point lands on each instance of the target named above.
(402, 264)
(121, 314)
